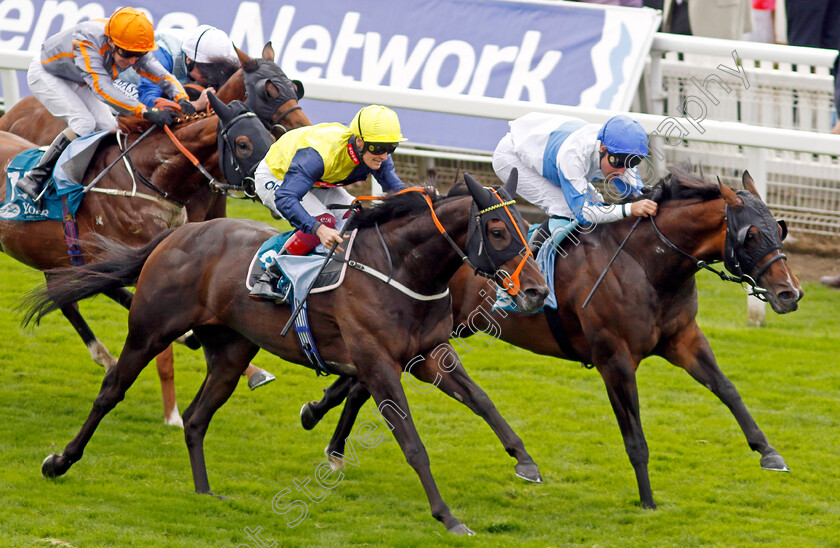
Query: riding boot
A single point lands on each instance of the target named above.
(33, 183)
(272, 286)
(540, 235)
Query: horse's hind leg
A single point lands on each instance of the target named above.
(165, 364)
(227, 354)
(356, 398)
(312, 412)
(691, 351)
(443, 369)
(140, 347)
(97, 350)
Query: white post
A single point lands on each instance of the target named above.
(756, 160)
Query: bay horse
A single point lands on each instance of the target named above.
(361, 328)
(647, 306)
(120, 207)
(267, 91)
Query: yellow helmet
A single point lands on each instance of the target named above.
(131, 30)
(377, 124)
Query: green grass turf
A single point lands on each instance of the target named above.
(134, 488)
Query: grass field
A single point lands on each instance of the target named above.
(134, 488)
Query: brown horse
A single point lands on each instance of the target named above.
(646, 306)
(267, 90)
(362, 328)
(123, 208)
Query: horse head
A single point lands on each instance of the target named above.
(496, 244)
(270, 94)
(243, 140)
(753, 248)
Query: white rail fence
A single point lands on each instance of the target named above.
(772, 120)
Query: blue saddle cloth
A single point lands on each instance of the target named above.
(19, 207)
(63, 185)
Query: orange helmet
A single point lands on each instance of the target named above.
(131, 30)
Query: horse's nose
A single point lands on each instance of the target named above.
(537, 294)
(790, 296)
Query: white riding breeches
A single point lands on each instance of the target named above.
(315, 201)
(74, 103)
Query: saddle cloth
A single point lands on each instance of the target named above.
(65, 183)
(300, 270)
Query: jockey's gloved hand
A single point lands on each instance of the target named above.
(160, 117)
(186, 107)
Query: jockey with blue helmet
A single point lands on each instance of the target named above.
(558, 157)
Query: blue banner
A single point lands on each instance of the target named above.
(558, 52)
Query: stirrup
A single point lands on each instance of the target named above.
(266, 289)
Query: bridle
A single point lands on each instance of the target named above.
(257, 99)
(480, 256)
(735, 256)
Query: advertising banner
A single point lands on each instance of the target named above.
(552, 52)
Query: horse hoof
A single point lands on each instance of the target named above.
(49, 468)
(529, 472)
(461, 529)
(307, 417)
(649, 505)
(774, 463)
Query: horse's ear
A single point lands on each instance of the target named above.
(478, 192)
(268, 51)
(510, 185)
(243, 57)
(221, 109)
(732, 199)
(749, 184)
(298, 89)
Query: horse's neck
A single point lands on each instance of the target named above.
(422, 257)
(698, 229)
(170, 169)
(233, 89)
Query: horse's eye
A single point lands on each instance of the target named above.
(496, 233)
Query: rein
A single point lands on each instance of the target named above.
(753, 288)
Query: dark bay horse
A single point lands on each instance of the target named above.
(646, 306)
(268, 92)
(362, 328)
(121, 206)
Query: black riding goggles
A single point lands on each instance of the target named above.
(623, 160)
(380, 148)
(125, 54)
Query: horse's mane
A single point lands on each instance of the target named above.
(680, 184)
(392, 207)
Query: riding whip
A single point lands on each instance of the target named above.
(112, 164)
(604, 273)
(320, 270)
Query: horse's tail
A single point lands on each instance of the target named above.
(120, 266)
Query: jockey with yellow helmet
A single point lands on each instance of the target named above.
(307, 167)
(73, 78)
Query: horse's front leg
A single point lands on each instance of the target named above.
(443, 369)
(619, 374)
(381, 376)
(691, 351)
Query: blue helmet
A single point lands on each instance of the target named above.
(624, 135)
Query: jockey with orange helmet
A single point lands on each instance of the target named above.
(73, 77)
(306, 168)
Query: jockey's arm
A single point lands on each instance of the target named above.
(149, 67)
(387, 177)
(148, 91)
(91, 63)
(305, 169)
